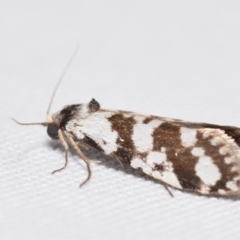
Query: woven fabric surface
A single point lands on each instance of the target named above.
(173, 59)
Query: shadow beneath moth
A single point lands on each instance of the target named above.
(199, 157)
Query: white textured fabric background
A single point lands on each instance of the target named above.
(170, 58)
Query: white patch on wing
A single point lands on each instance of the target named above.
(188, 136)
(97, 127)
(198, 151)
(216, 140)
(207, 171)
(232, 186)
(235, 169)
(205, 134)
(167, 177)
(139, 118)
(139, 163)
(156, 158)
(222, 192)
(83, 111)
(204, 189)
(236, 178)
(142, 133)
(128, 115)
(223, 150)
(228, 160)
(72, 128)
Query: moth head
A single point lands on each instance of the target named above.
(75, 111)
(59, 119)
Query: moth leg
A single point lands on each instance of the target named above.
(84, 147)
(94, 161)
(84, 158)
(169, 191)
(65, 146)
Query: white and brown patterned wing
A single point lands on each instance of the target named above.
(199, 157)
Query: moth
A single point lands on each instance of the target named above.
(199, 157)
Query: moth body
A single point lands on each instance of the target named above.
(198, 157)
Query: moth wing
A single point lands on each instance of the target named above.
(208, 163)
(198, 157)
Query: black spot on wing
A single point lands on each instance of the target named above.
(159, 167)
(124, 155)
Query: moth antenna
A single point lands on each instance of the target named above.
(61, 77)
(20, 123)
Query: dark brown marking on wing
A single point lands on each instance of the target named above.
(148, 119)
(159, 167)
(166, 135)
(67, 113)
(142, 155)
(124, 127)
(90, 142)
(124, 155)
(184, 167)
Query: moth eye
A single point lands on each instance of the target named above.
(52, 131)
